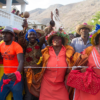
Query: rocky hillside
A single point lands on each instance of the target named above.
(70, 15)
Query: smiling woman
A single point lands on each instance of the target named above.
(87, 83)
(32, 37)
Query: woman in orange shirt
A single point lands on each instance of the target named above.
(87, 84)
(56, 58)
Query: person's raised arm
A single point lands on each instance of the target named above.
(21, 35)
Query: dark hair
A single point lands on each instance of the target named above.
(52, 23)
(17, 12)
(77, 35)
(84, 28)
(63, 41)
(16, 37)
(97, 39)
(71, 34)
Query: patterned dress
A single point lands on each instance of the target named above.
(32, 56)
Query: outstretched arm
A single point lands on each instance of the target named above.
(51, 15)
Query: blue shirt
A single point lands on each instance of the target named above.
(78, 44)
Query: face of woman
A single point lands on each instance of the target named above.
(57, 41)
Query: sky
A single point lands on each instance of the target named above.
(33, 4)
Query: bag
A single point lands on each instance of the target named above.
(88, 81)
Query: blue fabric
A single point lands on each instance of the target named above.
(78, 44)
(15, 89)
(30, 30)
(97, 27)
(43, 46)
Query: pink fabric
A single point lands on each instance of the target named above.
(15, 29)
(81, 52)
(88, 82)
(80, 95)
(85, 24)
(87, 78)
(18, 77)
(52, 85)
(6, 81)
(13, 11)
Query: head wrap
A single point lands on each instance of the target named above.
(30, 30)
(97, 27)
(94, 34)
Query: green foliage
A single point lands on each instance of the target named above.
(73, 32)
(95, 19)
(64, 35)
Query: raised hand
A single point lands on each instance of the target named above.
(51, 15)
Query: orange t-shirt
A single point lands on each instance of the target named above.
(9, 54)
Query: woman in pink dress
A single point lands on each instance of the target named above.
(56, 57)
(90, 79)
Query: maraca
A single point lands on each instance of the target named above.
(26, 14)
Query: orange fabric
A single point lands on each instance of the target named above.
(52, 86)
(88, 50)
(75, 59)
(34, 86)
(9, 54)
(73, 63)
(1, 60)
(80, 95)
(69, 52)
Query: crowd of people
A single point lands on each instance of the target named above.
(17, 12)
(50, 64)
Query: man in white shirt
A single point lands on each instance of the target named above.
(80, 43)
